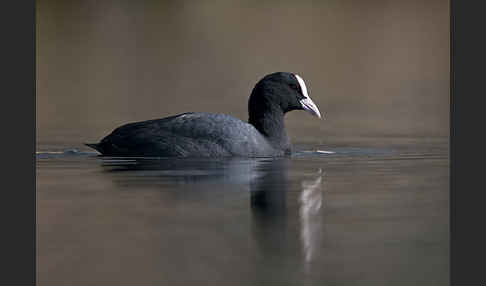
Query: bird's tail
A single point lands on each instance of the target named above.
(95, 146)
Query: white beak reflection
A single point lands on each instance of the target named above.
(310, 218)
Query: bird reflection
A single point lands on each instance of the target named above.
(286, 211)
(187, 170)
(268, 203)
(285, 226)
(267, 192)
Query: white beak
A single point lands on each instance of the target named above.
(310, 106)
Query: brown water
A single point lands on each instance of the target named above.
(360, 216)
(375, 212)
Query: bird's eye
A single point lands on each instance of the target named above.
(294, 87)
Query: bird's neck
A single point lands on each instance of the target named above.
(271, 124)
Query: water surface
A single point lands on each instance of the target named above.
(358, 216)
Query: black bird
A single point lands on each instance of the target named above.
(198, 134)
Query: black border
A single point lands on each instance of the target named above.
(17, 52)
(467, 146)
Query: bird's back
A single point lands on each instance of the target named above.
(189, 134)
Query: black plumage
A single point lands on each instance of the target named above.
(199, 134)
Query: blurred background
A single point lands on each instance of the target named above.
(375, 68)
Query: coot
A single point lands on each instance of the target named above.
(199, 134)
